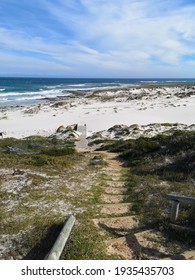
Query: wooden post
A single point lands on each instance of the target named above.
(174, 210)
(58, 246)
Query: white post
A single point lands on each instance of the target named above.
(174, 210)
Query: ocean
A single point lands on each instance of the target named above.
(23, 91)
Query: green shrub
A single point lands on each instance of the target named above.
(41, 160)
(57, 152)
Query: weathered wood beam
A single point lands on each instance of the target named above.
(182, 228)
(184, 199)
(60, 242)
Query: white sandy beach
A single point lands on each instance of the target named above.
(99, 114)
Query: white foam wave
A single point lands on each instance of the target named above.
(29, 98)
(43, 92)
(77, 85)
(176, 81)
(51, 91)
(149, 82)
(18, 96)
(52, 87)
(128, 85)
(2, 89)
(88, 86)
(3, 99)
(91, 88)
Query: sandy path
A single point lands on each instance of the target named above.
(129, 239)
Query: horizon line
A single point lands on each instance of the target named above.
(137, 78)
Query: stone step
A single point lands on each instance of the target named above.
(115, 179)
(114, 190)
(115, 209)
(120, 248)
(114, 164)
(117, 184)
(113, 198)
(112, 170)
(117, 226)
(144, 244)
(187, 255)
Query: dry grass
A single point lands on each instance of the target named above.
(39, 188)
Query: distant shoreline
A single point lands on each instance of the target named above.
(83, 93)
(101, 109)
(28, 91)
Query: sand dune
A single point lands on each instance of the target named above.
(101, 110)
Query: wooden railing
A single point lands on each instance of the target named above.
(176, 200)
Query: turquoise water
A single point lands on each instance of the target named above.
(19, 91)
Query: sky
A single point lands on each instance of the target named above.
(97, 38)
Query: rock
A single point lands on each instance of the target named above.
(71, 127)
(18, 172)
(96, 135)
(134, 127)
(191, 127)
(61, 128)
(72, 135)
(118, 131)
(59, 104)
(118, 127)
(135, 131)
(66, 133)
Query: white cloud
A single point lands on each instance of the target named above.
(110, 35)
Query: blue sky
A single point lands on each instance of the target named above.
(97, 38)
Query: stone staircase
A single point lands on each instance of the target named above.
(128, 239)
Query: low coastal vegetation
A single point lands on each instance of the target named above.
(158, 166)
(44, 179)
(26, 167)
(142, 93)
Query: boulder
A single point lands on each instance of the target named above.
(134, 127)
(61, 128)
(117, 128)
(71, 127)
